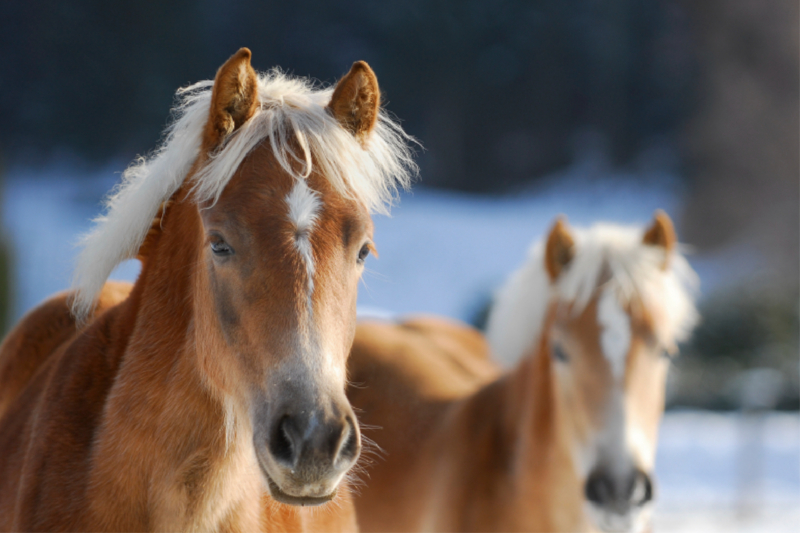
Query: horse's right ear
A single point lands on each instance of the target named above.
(560, 248)
(356, 101)
(234, 99)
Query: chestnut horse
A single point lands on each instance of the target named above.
(211, 394)
(565, 440)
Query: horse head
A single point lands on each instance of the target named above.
(611, 334)
(284, 252)
(265, 185)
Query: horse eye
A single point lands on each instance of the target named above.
(363, 253)
(221, 248)
(558, 354)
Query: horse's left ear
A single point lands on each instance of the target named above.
(661, 233)
(356, 101)
(234, 99)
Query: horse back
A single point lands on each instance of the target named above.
(462, 347)
(429, 359)
(40, 334)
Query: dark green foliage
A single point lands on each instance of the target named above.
(743, 325)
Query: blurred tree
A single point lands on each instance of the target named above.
(6, 259)
(93, 77)
(495, 90)
(742, 143)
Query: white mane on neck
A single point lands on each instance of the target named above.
(519, 309)
(291, 113)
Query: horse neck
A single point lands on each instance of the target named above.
(534, 421)
(533, 415)
(162, 291)
(164, 339)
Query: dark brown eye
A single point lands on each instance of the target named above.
(221, 248)
(363, 253)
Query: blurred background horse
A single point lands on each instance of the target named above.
(564, 441)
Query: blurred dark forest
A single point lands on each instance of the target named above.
(500, 93)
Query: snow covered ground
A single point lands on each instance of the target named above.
(728, 473)
(445, 253)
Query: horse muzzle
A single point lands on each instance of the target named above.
(307, 454)
(619, 502)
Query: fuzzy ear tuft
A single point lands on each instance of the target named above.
(661, 233)
(356, 101)
(560, 248)
(234, 99)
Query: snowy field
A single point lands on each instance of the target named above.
(728, 473)
(445, 253)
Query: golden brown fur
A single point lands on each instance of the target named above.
(156, 414)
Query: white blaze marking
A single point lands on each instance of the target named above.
(615, 338)
(304, 205)
(642, 448)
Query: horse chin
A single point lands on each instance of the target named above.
(303, 501)
(634, 520)
(304, 496)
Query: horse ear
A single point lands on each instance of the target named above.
(560, 248)
(661, 232)
(234, 99)
(356, 100)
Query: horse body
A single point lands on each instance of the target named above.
(411, 384)
(210, 394)
(565, 440)
(460, 454)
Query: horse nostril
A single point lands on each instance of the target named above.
(282, 443)
(349, 447)
(309, 445)
(598, 488)
(642, 490)
(620, 491)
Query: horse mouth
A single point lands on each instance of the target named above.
(282, 497)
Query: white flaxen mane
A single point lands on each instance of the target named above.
(291, 113)
(636, 276)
